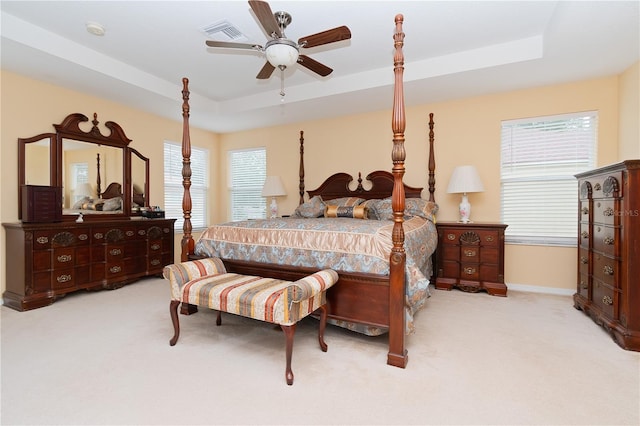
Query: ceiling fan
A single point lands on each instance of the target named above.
(279, 50)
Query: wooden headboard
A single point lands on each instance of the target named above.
(337, 186)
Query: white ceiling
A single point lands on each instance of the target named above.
(453, 49)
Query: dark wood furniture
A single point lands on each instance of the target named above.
(41, 203)
(470, 256)
(46, 261)
(49, 254)
(609, 250)
(370, 299)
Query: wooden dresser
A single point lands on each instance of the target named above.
(48, 260)
(609, 250)
(470, 256)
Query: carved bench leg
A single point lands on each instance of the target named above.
(323, 324)
(219, 318)
(289, 331)
(173, 309)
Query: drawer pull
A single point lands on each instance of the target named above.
(42, 240)
(166, 230)
(142, 232)
(585, 210)
(608, 211)
(597, 187)
(469, 253)
(115, 269)
(451, 237)
(65, 258)
(98, 235)
(585, 234)
(63, 278)
(83, 237)
(490, 238)
(130, 233)
(608, 241)
(115, 252)
(469, 270)
(584, 260)
(607, 300)
(608, 270)
(155, 262)
(155, 246)
(583, 285)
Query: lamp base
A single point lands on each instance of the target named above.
(465, 209)
(274, 208)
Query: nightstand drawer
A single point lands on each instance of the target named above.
(470, 271)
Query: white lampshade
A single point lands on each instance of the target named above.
(273, 187)
(83, 190)
(465, 179)
(281, 53)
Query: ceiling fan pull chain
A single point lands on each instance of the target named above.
(281, 84)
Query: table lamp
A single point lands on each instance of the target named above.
(273, 188)
(465, 179)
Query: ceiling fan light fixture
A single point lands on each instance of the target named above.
(281, 53)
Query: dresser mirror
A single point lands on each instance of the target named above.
(99, 175)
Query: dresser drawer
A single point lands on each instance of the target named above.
(607, 185)
(41, 260)
(584, 234)
(469, 253)
(115, 253)
(449, 269)
(470, 271)
(583, 261)
(605, 297)
(605, 239)
(63, 279)
(606, 269)
(490, 273)
(583, 285)
(63, 258)
(605, 212)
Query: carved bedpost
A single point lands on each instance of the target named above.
(98, 179)
(187, 240)
(301, 186)
(432, 162)
(397, 355)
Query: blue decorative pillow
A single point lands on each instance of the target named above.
(312, 208)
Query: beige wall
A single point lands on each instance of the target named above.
(467, 132)
(30, 107)
(630, 113)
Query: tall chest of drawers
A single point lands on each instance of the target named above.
(608, 284)
(48, 260)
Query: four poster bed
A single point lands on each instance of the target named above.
(384, 263)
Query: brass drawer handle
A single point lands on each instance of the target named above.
(42, 240)
(142, 232)
(115, 269)
(607, 300)
(490, 238)
(451, 237)
(585, 234)
(130, 233)
(608, 241)
(608, 211)
(469, 253)
(583, 285)
(115, 252)
(155, 246)
(65, 258)
(597, 187)
(469, 270)
(155, 262)
(584, 260)
(83, 237)
(608, 270)
(63, 278)
(98, 235)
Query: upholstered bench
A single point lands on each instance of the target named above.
(206, 283)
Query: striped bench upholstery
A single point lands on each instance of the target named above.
(206, 283)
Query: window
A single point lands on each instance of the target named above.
(79, 175)
(173, 189)
(247, 172)
(540, 157)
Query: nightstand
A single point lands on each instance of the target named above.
(470, 256)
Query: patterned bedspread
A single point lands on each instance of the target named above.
(343, 244)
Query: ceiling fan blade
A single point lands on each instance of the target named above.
(325, 37)
(265, 16)
(314, 65)
(266, 71)
(228, 44)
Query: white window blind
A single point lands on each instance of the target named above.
(173, 189)
(539, 159)
(247, 173)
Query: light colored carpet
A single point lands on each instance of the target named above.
(104, 358)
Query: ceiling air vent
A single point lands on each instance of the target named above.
(224, 31)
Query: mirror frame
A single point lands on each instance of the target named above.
(70, 129)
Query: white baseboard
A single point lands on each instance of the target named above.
(541, 289)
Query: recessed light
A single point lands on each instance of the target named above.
(95, 28)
